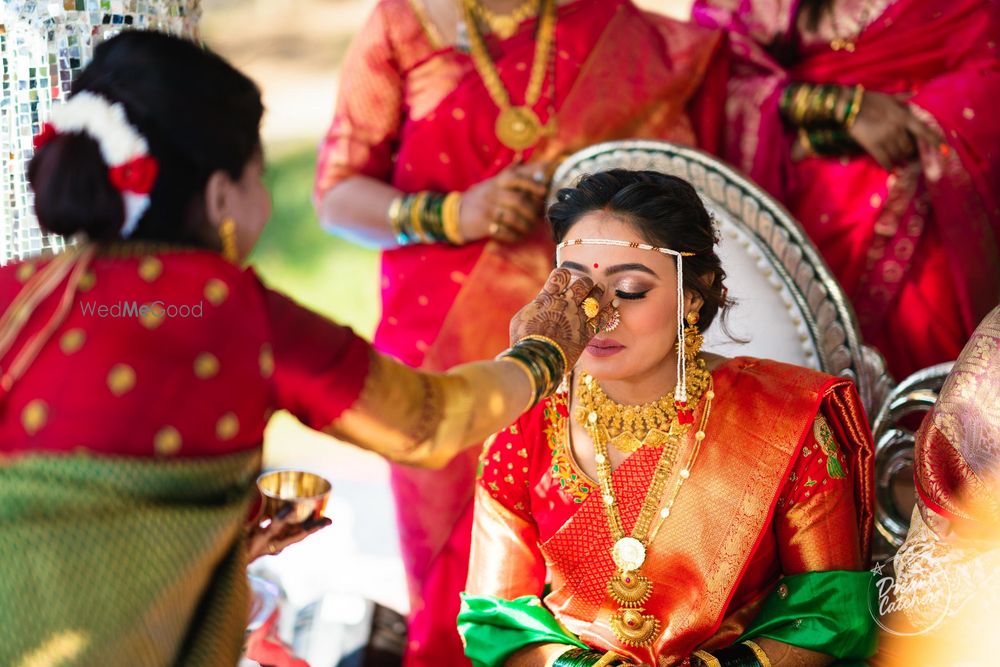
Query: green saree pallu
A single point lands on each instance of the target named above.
(819, 611)
(115, 561)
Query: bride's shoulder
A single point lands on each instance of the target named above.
(768, 374)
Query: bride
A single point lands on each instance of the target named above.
(669, 506)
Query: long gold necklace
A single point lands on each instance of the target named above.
(628, 586)
(629, 427)
(517, 127)
(505, 25)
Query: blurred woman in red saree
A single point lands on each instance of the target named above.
(449, 117)
(670, 507)
(903, 198)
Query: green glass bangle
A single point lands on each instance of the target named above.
(737, 655)
(401, 225)
(540, 379)
(545, 353)
(431, 217)
(577, 657)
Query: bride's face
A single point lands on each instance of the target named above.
(645, 284)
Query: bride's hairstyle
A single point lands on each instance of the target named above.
(665, 210)
(197, 113)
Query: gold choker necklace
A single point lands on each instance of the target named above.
(629, 427)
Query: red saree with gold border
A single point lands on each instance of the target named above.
(415, 113)
(767, 497)
(917, 249)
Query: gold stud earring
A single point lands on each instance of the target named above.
(227, 234)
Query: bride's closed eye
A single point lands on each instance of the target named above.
(622, 294)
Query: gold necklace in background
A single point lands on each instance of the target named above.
(849, 42)
(505, 25)
(517, 127)
(628, 586)
(629, 427)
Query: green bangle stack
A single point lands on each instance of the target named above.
(579, 657)
(824, 114)
(745, 654)
(544, 361)
(423, 217)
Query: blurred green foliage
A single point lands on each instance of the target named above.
(297, 257)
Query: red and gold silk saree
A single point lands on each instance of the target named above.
(782, 488)
(916, 249)
(415, 113)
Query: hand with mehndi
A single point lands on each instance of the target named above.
(557, 313)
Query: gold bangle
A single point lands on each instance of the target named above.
(856, 102)
(759, 652)
(395, 208)
(799, 103)
(416, 215)
(531, 380)
(450, 210)
(606, 659)
(707, 658)
(546, 339)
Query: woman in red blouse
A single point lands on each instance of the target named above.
(138, 370)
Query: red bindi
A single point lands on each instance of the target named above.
(596, 265)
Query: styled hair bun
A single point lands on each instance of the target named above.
(73, 192)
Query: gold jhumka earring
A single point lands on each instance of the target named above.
(227, 234)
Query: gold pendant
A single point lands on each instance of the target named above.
(628, 442)
(630, 589)
(633, 628)
(629, 554)
(503, 26)
(518, 128)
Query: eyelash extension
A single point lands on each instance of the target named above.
(630, 295)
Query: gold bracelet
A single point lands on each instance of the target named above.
(531, 379)
(707, 658)
(799, 103)
(607, 659)
(395, 208)
(546, 339)
(416, 215)
(450, 210)
(759, 652)
(856, 102)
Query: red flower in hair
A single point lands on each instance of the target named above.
(47, 134)
(137, 175)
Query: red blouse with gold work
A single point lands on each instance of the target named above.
(171, 352)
